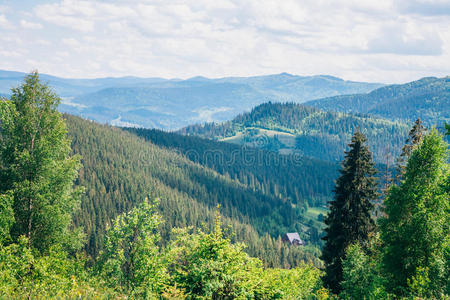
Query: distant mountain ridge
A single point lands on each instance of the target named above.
(175, 103)
(67, 87)
(427, 98)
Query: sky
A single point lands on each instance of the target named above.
(389, 41)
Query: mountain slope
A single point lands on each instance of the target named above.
(167, 107)
(120, 169)
(427, 98)
(288, 87)
(294, 178)
(294, 128)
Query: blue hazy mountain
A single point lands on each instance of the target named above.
(67, 87)
(174, 103)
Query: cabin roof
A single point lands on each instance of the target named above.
(293, 236)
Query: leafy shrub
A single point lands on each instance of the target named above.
(26, 274)
(209, 266)
(131, 261)
(362, 276)
(299, 283)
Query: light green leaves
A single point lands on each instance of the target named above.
(131, 260)
(416, 229)
(36, 168)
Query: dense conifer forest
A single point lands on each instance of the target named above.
(260, 169)
(295, 128)
(120, 169)
(93, 211)
(427, 99)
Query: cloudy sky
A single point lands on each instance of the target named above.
(365, 40)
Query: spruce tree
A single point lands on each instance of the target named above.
(36, 169)
(415, 231)
(415, 136)
(350, 217)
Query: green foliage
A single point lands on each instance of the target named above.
(120, 168)
(38, 243)
(131, 261)
(427, 99)
(362, 277)
(420, 284)
(415, 230)
(6, 217)
(209, 266)
(260, 170)
(37, 198)
(312, 132)
(415, 136)
(350, 217)
(36, 169)
(302, 282)
(24, 273)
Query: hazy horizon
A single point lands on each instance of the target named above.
(390, 41)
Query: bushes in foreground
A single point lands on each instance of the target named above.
(197, 264)
(25, 273)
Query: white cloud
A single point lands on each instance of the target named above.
(395, 40)
(71, 14)
(30, 25)
(386, 40)
(4, 23)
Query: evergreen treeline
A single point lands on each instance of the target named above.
(427, 99)
(297, 179)
(314, 133)
(405, 253)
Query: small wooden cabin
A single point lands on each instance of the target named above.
(293, 238)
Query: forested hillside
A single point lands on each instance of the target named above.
(63, 179)
(293, 177)
(427, 98)
(120, 169)
(295, 128)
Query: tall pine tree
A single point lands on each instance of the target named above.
(350, 217)
(36, 169)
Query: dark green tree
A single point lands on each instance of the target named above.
(6, 217)
(37, 171)
(415, 231)
(415, 136)
(350, 217)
